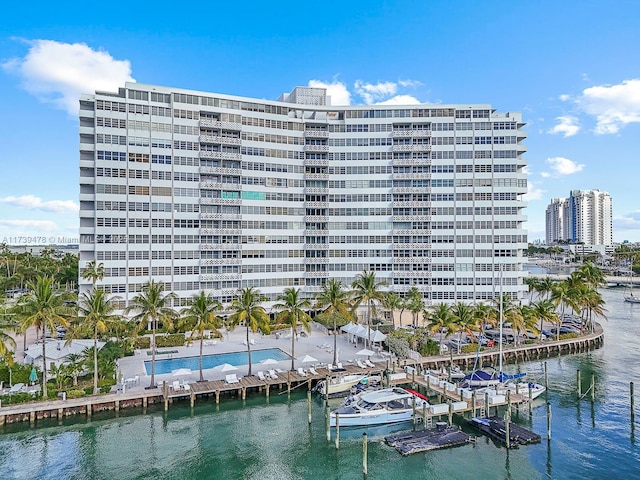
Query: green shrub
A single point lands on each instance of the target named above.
(52, 393)
(429, 347)
(142, 342)
(14, 398)
(567, 336)
(175, 340)
(87, 390)
(74, 393)
(469, 348)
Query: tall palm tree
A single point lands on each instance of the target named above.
(545, 286)
(201, 316)
(93, 271)
(367, 289)
(414, 302)
(545, 311)
(394, 302)
(248, 311)
(441, 319)
(6, 340)
(533, 284)
(292, 310)
(42, 308)
(591, 275)
(334, 303)
(560, 296)
(153, 307)
(464, 319)
(95, 311)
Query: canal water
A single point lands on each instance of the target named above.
(271, 438)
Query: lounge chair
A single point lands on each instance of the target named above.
(329, 366)
(279, 370)
(252, 341)
(231, 378)
(273, 374)
(339, 366)
(261, 376)
(301, 372)
(16, 388)
(186, 386)
(312, 371)
(360, 364)
(369, 363)
(176, 385)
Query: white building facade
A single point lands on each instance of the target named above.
(584, 217)
(213, 192)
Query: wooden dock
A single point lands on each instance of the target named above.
(495, 427)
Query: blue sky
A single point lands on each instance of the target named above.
(571, 67)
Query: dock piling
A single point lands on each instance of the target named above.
(337, 431)
(578, 381)
(593, 386)
(309, 406)
(365, 469)
(548, 421)
(631, 403)
(328, 423)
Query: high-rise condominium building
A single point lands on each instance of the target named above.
(203, 191)
(585, 216)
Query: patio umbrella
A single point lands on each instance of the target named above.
(181, 372)
(269, 361)
(377, 336)
(226, 367)
(308, 359)
(366, 352)
(33, 376)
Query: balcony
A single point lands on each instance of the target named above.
(220, 216)
(411, 176)
(219, 201)
(220, 261)
(411, 161)
(221, 186)
(316, 148)
(417, 147)
(316, 260)
(316, 176)
(221, 155)
(316, 274)
(219, 276)
(205, 122)
(316, 190)
(411, 218)
(220, 140)
(236, 172)
(411, 189)
(316, 246)
(316, 162)
(406, 133)
(316, 134)
(316, 218)
(220, 231)
(220, 246)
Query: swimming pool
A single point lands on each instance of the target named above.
(212, 361)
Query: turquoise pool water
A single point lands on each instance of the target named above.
(212, 361)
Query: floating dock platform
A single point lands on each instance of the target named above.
(425, 440)
(495, 427)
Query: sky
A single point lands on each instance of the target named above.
(571, 67)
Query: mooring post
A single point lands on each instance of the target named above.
(424, 415)
(473, 403)
(415, 418)
(631, 402)
(337, 431)
(413, 378)
(507, 421)
(428, 384)
(192, 398)
(548, 420)
(365, 469)
(486, 404)
(328, 423)
(530, 399)
(309, 405)
(509, 401)
(546, 376)
(450, 412)
(579, 382)
(326, 390)
(593, 386)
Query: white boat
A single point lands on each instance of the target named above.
(379, 407)
(340, 384)
(522, 388)
(628, 295)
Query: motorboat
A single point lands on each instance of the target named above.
(522, 388)
(341, 384)
(379, 407)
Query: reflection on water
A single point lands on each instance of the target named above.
(271, 439)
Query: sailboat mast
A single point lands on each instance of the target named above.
(500, 319)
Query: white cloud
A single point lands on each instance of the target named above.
(567, 126)
(40, 225)
(338, 91)
(613, 106)
(564, 166)
(533, 193)
(564, 97)
(374, 92)
(628, 221)
(57, 72)
(410, 83)
(400, 100)
(31, 202)
(545, 174)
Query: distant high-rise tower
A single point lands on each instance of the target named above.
(586, 217)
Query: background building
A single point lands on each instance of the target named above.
(585, 216)
(216, 192)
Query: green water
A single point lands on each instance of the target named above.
(271, 438)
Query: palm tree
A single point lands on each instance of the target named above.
(533, 284)
(591, 275)
(334, 303)
(6, 340)
(75, 362)
(415, 304)
(292, 310)
(42, 308)
(9, 361)
(441, 319)
(394, 302)
(93, 271)
(201, 316)
(464, 319)
(545, 286)
(248, 310)
(560, 298)
(95, 311)
(153, 307)
(545, 311)
(367, 289)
